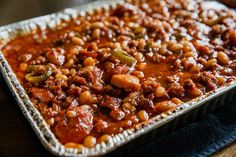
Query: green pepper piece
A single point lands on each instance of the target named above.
(148, 47)
(37, 79)
(178, 35)
(140, 30)
(124, 57)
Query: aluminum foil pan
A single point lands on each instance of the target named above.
(36, 120)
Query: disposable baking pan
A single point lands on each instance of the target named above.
(128, 138)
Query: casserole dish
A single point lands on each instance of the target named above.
(38, 123)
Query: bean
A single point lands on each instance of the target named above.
(191, 88)
(23, 66)
(96, 33)
(104, 138)
(89, 141)
(195, 92)
(205, 50)
(187, 46)
(232, 37)
(202, 61)
(70, 63)
(69, 99)
(175, 47)
(164, 51)
(74, 50)
(90, 68)
(128, 106)
(164, 106)
(211, 63)
(189, 54)
(138, 74)
(97, 25)
(133, 25)
(140, 30)
(89, 61)
(117, 45)
(160, 91)
(141, 44)
(188, 62)
(221, 80)
(51, 121)
(61, 76)
(194, 68)
(77, 41)
(86, 98)
(176, 101)
(70, 145)
(223, 58)
(138, 56)
(65, 71)
(143, 116)
(72, 71)
(71, 114)
(73, 145)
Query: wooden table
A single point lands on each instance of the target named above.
(227, 151)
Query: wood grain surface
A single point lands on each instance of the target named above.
(227, 151)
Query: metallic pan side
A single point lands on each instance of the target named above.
(37, 122)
